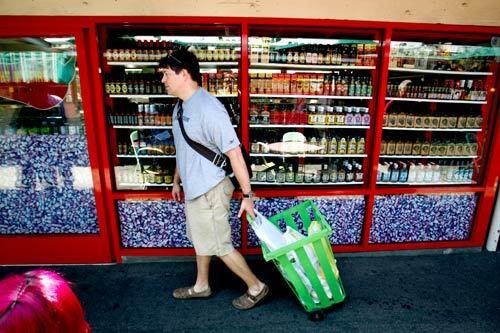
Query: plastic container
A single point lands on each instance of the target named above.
(288, 257)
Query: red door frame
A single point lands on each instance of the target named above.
(106, 196)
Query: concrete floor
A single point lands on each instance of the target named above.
(424, 293)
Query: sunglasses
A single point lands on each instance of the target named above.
(161, 70)
(177, 60)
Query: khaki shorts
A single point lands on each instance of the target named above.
(207, 220)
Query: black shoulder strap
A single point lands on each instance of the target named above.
(217, 159)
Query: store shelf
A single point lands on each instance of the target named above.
(308, 66)
(449, 101)
(136, 64)
(218, 63)
(141, 96)
(427, 156)
(147, 127)
(142, 184)
(307, 155)
(433, 129)
(312, 96)
(430, 71)
(307, 184)
(142, 127)
(160, 96)
(426, 183)
(133, 64)
(145, 156)
(307, 126)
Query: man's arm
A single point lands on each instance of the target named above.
(240, 171)
(176, 187)
(177, 177)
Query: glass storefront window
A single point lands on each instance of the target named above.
(138, 108)
(45, 177)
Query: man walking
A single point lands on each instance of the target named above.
(207, 190)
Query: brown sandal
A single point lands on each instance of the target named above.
(188, 293)
(248, 301)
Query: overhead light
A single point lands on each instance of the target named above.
(55, 40)
(153, 38)
(202, 39)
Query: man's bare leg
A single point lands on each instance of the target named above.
(239, 266)
(203, 267)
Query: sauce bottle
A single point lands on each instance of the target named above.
(323, 145)
(313, 141)
(352, 146)
(265, 116)
(312, 117)
(321, 117)
(290, 175)
(365, 119)
(340, 116)
(332, 173)
(349, 174)
(357, 117)
(342, 147)
(360, 149)
(358, 175)
(254, 115)
(332, 146)
(341, 174)
(349, 118)
(330, 115)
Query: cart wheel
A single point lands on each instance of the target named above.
(316, 316)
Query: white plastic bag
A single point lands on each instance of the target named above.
(292, 236)
(267, 232)
(315, 227)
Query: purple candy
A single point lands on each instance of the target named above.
(344, 214)
(162, 223)
(44, 201)
(419, 218)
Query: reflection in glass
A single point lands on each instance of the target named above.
(447, 56)
(36, 71)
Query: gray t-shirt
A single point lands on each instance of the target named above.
(207, 122)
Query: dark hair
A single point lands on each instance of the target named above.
(40, 301)
(182, 59)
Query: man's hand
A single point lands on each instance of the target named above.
(247, 206)
(176, 192)
(241, 173)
